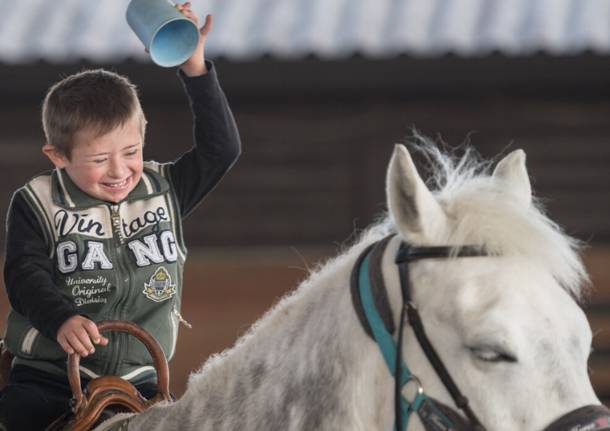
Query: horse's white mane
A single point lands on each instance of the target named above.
(486, 215)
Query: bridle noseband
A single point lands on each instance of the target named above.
(370, 301)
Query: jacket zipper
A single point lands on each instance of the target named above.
(123, 279)
(115, 217)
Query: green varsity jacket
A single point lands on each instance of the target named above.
(68, 253)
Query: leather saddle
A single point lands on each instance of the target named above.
(104, 393)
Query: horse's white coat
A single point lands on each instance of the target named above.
(308, 365)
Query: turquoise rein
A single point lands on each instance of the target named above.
(386, 344)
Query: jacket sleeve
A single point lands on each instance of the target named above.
(28, 272)
(216, 141)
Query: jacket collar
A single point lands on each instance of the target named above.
(67, 195)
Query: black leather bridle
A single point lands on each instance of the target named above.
(434, 415)
(407, 254)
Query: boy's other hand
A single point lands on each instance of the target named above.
(78, 334)
(195, 65)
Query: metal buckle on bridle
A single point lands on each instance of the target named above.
(419, 389)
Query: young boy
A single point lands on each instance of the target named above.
(100, 236)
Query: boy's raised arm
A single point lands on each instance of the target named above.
(217, 144)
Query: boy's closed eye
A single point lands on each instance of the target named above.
(100, 160)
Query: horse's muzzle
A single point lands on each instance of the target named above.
(588, 418)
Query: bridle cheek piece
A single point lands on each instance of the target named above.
(370, 300)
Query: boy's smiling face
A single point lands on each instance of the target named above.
(107, 167)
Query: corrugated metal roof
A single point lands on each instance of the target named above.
(65, 30)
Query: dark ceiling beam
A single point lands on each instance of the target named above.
(356, 78)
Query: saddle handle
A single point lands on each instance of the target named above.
(159, 361)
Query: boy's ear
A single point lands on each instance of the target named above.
(55, 156)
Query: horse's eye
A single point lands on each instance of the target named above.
(490, 354)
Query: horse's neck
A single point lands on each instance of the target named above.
(306, 365)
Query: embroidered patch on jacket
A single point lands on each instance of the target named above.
(159, 287)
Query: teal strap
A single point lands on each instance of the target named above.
(385, 342)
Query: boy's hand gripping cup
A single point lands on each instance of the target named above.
(169, 36)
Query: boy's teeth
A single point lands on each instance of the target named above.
(116, 185)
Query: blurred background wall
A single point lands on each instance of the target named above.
(322, 90)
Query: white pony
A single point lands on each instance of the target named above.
(506, 325)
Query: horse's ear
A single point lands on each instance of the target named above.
(512, 170)
(412, 206)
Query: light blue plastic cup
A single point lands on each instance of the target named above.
(169, 36)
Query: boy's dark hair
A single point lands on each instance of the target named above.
(95, 100)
